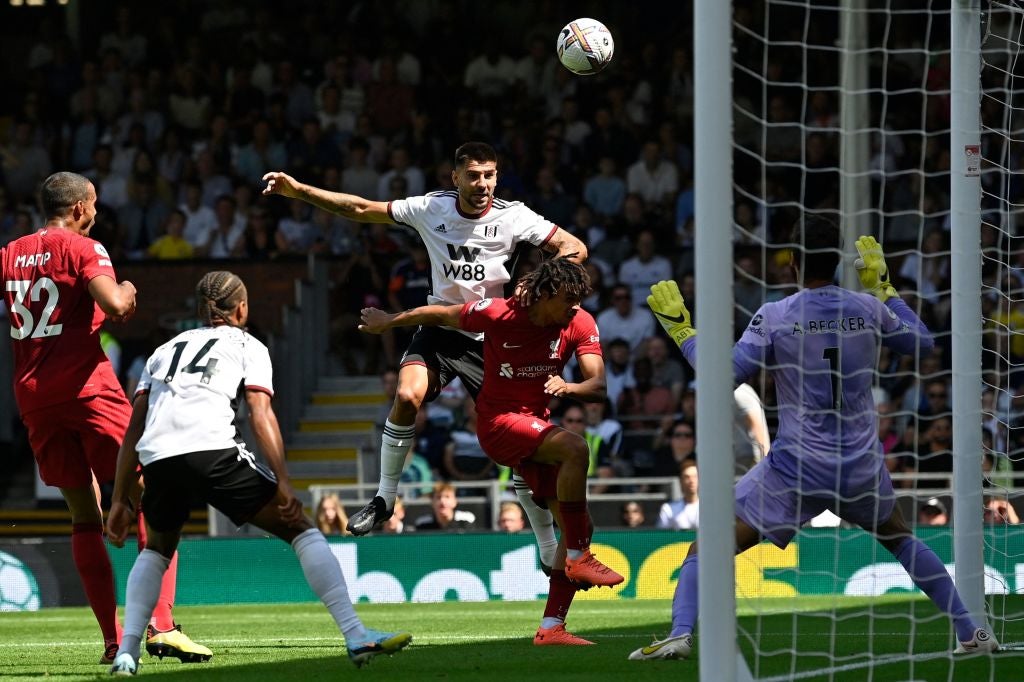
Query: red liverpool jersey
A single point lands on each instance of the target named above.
(55, 322)
(519, 356)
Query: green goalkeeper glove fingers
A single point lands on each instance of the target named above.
(667, 305)
(871, 268)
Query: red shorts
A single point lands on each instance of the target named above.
(73, 440)
(511, 439)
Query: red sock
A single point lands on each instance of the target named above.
(560, 596)
(163, 619)
(93, 563)
(140, 536)
(577, 529)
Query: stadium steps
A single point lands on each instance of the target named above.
(333, 429)
(25, 522)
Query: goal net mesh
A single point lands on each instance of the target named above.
(836, 602)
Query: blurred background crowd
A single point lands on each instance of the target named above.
(176, 110)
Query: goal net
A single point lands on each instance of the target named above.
(845, 110)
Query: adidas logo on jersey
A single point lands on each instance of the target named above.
(441, 228)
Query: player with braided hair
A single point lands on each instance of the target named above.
(218, 294)
(527, 340)
(182, 432)
(60, 287)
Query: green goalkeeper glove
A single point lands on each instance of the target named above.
(667, 305)
(871, 268)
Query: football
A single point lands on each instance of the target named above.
(585, 46)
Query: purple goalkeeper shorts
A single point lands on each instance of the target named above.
(771, 501)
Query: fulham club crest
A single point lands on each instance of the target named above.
(491, 231)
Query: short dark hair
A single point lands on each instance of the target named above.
(61, 191)
(818, 243)
(474, 151)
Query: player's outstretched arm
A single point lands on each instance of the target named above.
(377, 321)
(666, 302)
(126, 476)
(872, 270)
(346, 205)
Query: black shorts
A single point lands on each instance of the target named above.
(231, 480)
(450, 354)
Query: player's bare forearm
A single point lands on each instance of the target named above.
(591, 390)
(346, 205)
(376, 321)
(267, 432)
(593, 387)
(563, 243)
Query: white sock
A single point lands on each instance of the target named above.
(140, 598)
(549, 622)
(573, 554)
(325, 578)
(394, 446)
(541, 521)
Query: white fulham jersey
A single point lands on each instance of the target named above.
(193, 382)
(468, 253)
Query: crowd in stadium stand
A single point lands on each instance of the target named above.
(371, 98)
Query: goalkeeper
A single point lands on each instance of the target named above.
(820, 346)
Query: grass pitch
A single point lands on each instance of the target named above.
(795, 639)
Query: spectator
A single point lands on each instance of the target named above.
(491, 75)
(464, 458)
(654, 178)
(331, 518)
(623, 320)
(25, 162)
(313, 152)
(681, 446)
(201, 221)
(643, 269)
(172, 245)
(602, 427)
(606, 191)
(632, 515)
(261, 153)
(142, 218)
(227, 240)
(618, 372)
(259, 242)
(666, 371)
(400, 166)
(445, 515)
(934, 454)
(510, 517)
(682, 514)
(396, 524)
(111, 189)
(389, 101)
(999, 511)
(359, 177)
(296, 233)
(645, 404)
(932, 513)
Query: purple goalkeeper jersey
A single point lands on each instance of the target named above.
(821, 347)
